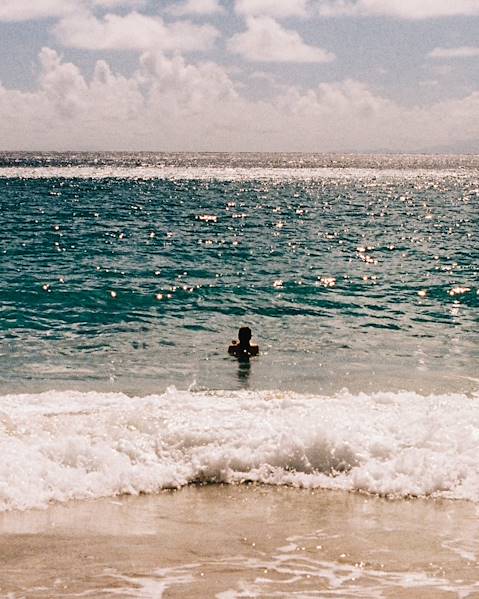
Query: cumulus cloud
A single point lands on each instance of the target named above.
(196, 7)
(165, 102)
(402, 9)
(26, 10)
(183, 86)
(29, 10)
(62, 83)
(133, 31)
(169, 103)
(265, 40)
(461, 52)
(272, 8)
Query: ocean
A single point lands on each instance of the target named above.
(124, 277)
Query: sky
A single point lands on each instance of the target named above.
(240, 75)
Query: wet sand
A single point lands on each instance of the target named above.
(242, 541)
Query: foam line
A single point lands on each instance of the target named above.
(59, 446)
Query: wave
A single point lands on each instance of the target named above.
(60, 446)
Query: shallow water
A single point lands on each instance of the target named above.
(243, 541)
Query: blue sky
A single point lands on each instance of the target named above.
(298, 75)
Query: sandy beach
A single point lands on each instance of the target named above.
(242, 541)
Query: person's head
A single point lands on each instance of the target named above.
(244, 335)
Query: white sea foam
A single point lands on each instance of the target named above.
(226, 173)
(58, 446)
(293, 571)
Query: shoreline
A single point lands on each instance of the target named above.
(242, 540)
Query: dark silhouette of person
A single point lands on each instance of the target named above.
(242, 348)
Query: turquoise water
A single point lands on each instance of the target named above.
(133, 272)
(125, 277)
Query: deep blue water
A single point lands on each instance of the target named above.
(364, 277)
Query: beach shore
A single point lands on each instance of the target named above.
(242, 541)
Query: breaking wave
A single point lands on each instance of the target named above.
(60, 446)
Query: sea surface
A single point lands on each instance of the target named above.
(124, 277)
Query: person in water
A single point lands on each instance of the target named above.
(243, 348)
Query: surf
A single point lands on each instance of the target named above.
(59, 446)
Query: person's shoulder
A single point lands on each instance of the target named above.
(233, 348)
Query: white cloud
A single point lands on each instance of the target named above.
(265, 40)
(26, 10)
(62, 83)
(133, 31)
(263, 76)
(112, 3)
(196, 7)
(152, 108)
(272, 8)
(30, 10)
(170, 104)
(189, 86)
(402, 9)
(461, 52)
